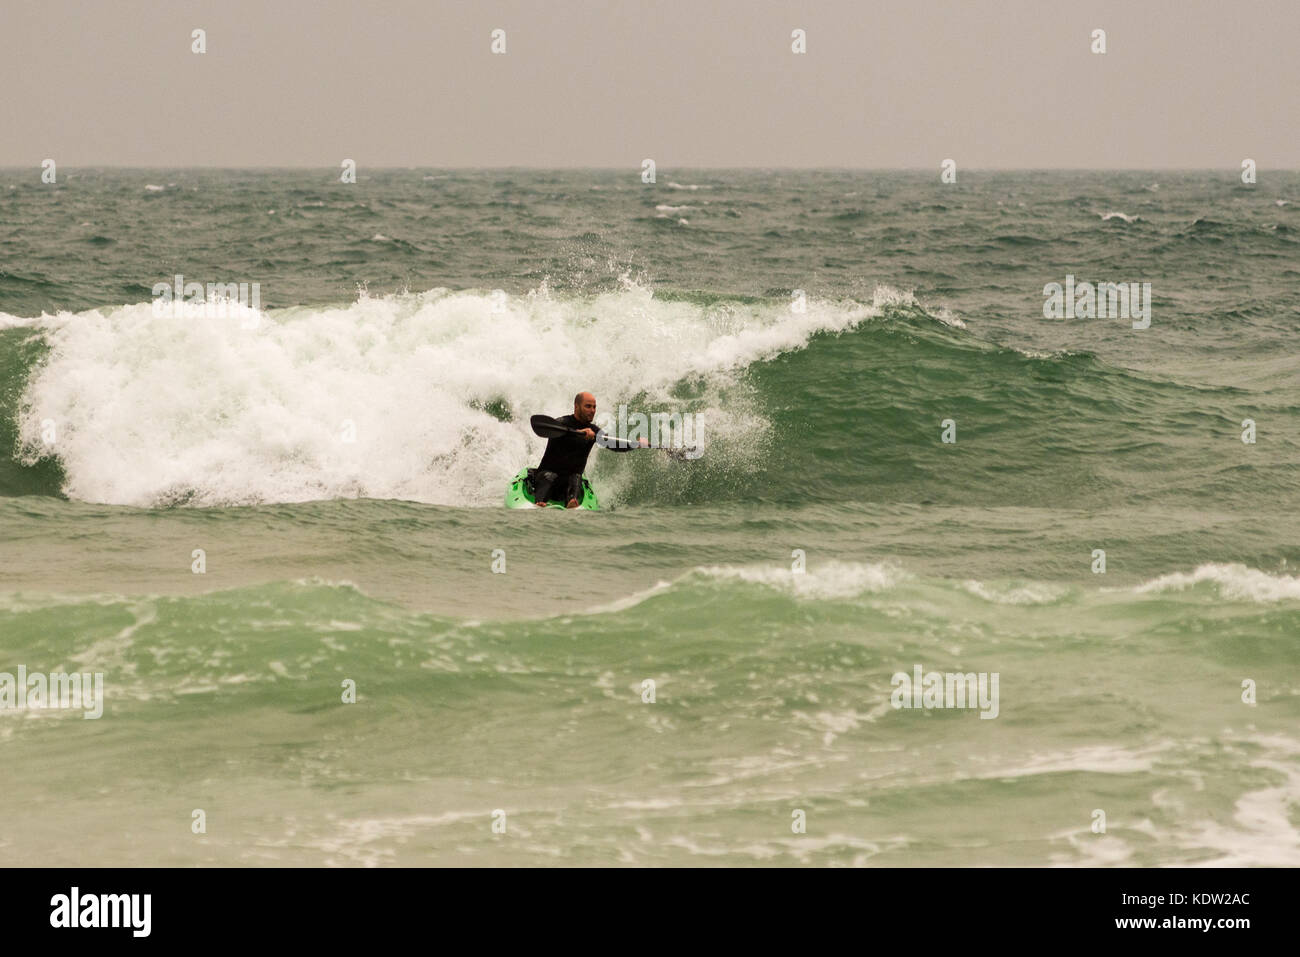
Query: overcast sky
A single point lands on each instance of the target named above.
(689, 83)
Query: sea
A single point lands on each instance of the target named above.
(274, 528)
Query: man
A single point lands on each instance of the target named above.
(560, 474)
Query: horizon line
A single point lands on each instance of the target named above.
(636, 169)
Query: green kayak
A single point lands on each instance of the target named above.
(520, 494)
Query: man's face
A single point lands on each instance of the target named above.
(585, 408)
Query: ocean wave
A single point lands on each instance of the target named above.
(1023, 593)
(845, 581)
(1234, 581)
(408, 396)
(827, 580)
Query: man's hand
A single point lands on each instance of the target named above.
(588, 434)
(644, 442)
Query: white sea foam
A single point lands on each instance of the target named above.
(831, 724)
(1030, 593)
(802, 848)
(151, 410)
(17, 322)
(1262, 832)
(630, 601)
(823, 580)
(1114, 215)
(1234, 581)
(1095, 759)
(945, 316)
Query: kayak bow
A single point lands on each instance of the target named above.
(520, 494)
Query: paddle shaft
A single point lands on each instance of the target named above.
(548, 428)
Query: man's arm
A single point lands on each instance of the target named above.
(619, 445)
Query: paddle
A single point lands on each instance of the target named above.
(549, 428)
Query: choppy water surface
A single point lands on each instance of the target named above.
(372, 560)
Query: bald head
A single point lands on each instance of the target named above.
(584, 406)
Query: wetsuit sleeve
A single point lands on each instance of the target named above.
(613, 444)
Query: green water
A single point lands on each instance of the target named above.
(826, 539)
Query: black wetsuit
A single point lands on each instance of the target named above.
(559, 477)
